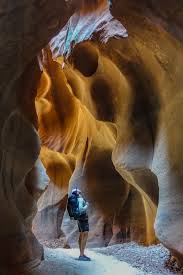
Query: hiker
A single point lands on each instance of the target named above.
(77, 209)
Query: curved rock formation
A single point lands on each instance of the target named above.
(25, 28)
(134, 90)
(73, 130)
(108, 116)
(68, 123)
(52, 204)
(157, 66)
(23, 179)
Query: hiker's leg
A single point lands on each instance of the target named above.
(83, 242)
(80, 240)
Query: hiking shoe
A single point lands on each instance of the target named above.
(87, 258)
(84, 258)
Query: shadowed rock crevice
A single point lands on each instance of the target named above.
(146, 106)
(85, 59)
(102, 96)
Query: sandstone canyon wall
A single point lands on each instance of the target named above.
(25, 28)
(107, 121)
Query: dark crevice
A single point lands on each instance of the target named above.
(85, 58)
(103, 98)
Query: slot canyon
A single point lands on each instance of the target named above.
(90, 97)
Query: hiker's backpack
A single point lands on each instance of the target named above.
(73, 207)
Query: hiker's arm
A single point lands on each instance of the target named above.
(82, 205)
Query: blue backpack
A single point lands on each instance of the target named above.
(73, 207)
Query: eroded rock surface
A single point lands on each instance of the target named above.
(77, 123)
(136, 84)
(109, 119)
(25, 28)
